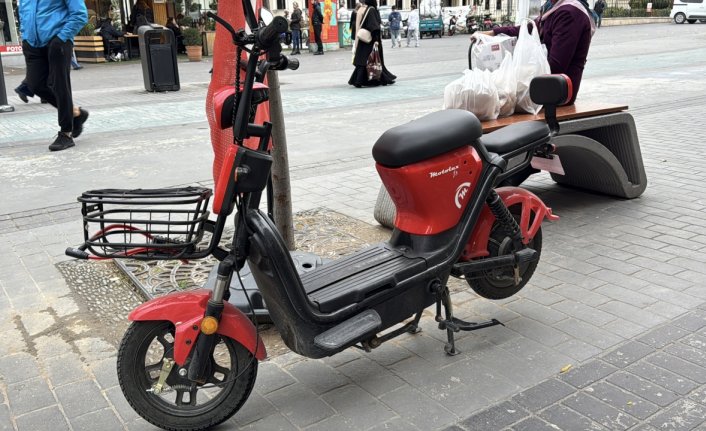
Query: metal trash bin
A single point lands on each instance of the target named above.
(158, 54)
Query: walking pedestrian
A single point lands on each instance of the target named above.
(48, 30)
(413, 25)
(368, 18)
(296, 26)
(395, 20)
(317, 20)
(74, 62)
(599, 7)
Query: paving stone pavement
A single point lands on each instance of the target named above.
(619, 295)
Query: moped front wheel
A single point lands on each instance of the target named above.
(181, 404)
(500, 283)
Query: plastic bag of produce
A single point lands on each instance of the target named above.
(476, 92)
(529, 60)
(489, 51)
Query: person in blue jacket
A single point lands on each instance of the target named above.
(48, 30)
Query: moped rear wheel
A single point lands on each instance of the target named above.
(183, 404)
(499, 283)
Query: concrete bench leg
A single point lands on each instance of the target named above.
(602, 154)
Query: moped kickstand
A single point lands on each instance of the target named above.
(453, 324)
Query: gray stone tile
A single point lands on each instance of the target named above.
(625, 329)
(343, 357)
(65, 369)
(29, 395)
(397, 424)
(18, 367)
(578, 294)
(662, 336)
(643, 388)
(533, 424)
(300, 405)
(628, 353)
(692, 321)
(117, 399)
(270, 377)
(49, 419)
(588, 333)
(567, 419)
(5, 419)
(511, 367)
(588, 373)
(579, 350)
(662, 377)
(688, 353)
(418, 409)
(622, 400)
(538, 331)
(371, 376)
(699, 395)
(679, 366)
(274, 422)
(104, 420)
(697, 340)
(80, 398)
(632, 313)
(496, 417)
(683, 415)
(599, 412)
(388, 354)
(586, 313)
(317, 376)
(481, 379)
(338, 422)
(543, 394)
(354, 403)
(538, 312)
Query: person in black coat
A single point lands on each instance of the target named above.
(112, 47)
(369, 18)
(174, 27)
(317, 20)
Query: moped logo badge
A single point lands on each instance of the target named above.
(450, 170)
(461, 193)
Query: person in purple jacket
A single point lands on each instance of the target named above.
(566, 28)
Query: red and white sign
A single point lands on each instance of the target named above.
(11, 48)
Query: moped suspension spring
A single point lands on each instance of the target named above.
(503, 215)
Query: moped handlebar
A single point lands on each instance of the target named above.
(222, 22)
(269, 35)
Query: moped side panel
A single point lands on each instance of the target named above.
(430, 196)
(186, 309)
(531, 206)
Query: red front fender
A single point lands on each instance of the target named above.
(478, 244)
(186, 309)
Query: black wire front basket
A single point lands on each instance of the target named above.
(143, 223)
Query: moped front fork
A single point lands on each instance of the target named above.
(206, 341)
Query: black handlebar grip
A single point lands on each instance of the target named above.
(268, 35)
(292, 63)
(76, 253)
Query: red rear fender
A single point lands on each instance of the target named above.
(186, 309)
(531, 205)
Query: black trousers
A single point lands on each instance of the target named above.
(317, 37)
(48, 77)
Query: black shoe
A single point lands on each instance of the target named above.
(62, 142)
(21, 95)
(319, 53)
(78, 122)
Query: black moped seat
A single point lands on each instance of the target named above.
(426, 137)
(515, 136)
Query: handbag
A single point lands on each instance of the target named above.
(374, 64)
(363, 34)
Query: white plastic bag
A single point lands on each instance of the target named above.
(476, 92)
(529, 60)
(489, 51)
(506, 83)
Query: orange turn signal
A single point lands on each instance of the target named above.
(209, 325)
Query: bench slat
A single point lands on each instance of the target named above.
(563, 113)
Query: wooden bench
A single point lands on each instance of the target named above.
(598, 147)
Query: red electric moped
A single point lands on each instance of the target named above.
(189, 359)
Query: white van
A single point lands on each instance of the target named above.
(688, 11)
